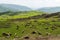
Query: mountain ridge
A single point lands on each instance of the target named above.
(50, 9)
(13, 7)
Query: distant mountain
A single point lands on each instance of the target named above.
(50, 9)
(12, 7)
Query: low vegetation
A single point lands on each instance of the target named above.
(24, 25)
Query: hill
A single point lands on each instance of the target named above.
(39, 16)
(50, 9)
(12, 7)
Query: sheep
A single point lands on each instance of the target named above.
(6, 35)
(17, 27)
(33, 32)
(26, 37)
(39, 33)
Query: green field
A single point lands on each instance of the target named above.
(41, 26)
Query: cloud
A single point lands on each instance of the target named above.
(34, 3)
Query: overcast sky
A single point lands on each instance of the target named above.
(33, 3)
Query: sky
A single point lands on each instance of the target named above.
(33, 3)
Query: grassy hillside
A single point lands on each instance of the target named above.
(30, 24)
(21, 14)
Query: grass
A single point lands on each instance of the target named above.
(26, 27)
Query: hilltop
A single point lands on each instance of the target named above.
(50, 9)
(13, 8)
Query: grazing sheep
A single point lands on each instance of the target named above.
(17, 27)
(26, 37)
(33, 32)
(39, 33)
(6, 35)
